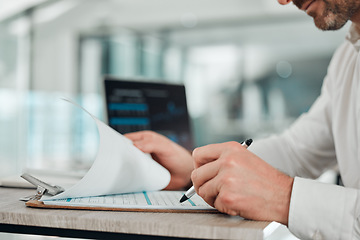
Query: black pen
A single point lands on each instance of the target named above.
(189, 193)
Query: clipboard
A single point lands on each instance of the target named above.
(153, 201)
(40, 204)
(114, 180)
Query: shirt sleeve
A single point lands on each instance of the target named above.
(305, 150)
(324, 211)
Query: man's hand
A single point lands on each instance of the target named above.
(237, 182)
(172, 156)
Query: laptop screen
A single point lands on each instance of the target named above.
(134, 106)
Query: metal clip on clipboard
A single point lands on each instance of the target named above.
(41, 188)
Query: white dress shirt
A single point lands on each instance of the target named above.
(327, 135)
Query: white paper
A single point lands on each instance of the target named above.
(119, 167)
(141, 200)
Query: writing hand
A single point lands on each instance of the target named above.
(237, 182)
(170, 155)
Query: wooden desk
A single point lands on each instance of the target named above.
(15, 217)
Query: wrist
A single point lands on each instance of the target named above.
(286, 185)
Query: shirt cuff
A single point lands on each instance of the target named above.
(323, 211)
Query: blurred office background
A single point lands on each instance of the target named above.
(249, 67)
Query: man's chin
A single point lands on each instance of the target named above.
(329, 25)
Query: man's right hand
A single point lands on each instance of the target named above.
(170, 155)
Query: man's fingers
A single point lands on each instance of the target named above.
(205, 180)
(209, 192)
(134, 136)
(208, 153)
(142, 140)
(204, 173)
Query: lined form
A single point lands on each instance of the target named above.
(141, 200)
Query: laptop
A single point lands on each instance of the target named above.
(133, 105)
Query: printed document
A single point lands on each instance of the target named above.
(123, 177)
(119, 167)
(141, 200)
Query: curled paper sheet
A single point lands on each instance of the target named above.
(119, 167)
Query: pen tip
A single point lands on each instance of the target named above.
(183, 199)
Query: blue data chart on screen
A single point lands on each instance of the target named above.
(135, 106)
(128, 117)
(172, 112)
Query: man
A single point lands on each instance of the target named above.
(248, 183)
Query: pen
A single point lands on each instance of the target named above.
(189, 193)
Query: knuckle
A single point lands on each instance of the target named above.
(149, 137)
(202, 192)
(195, 154)
(145, 148)
(232, 213)
(194, 176)
(228, 181)
(229, 161)
(229, 203)
(233, 144)
(225, 199)
(148, 134)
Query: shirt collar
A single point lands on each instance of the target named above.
(354, 37)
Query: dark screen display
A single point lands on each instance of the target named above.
(135, 106)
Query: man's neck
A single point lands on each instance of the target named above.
(356, 21)
(357, 27)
